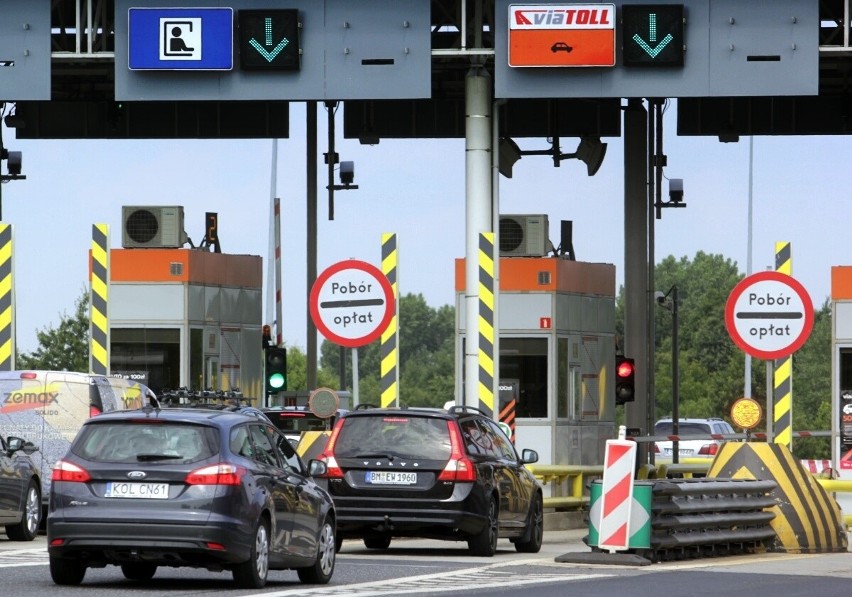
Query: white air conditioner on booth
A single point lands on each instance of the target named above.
(524, 235)
(152, 226)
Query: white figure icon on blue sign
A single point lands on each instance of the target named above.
(180, 39)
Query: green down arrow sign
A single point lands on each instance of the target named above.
(652, 35)
(279, 30)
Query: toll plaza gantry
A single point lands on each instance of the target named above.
(445, 69)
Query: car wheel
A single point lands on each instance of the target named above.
(535, 528)
(27, 529)
(319, 573)
(484, 543)
(377, 541)
(338, 541)
(67, 572)
(252, 573)
(138, 570)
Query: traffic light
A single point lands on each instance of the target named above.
(276, 369)
(625, 380)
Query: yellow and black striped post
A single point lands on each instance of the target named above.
(7, 300)
(98, 301)
(782, 404)
(486, 322)
(390, 337)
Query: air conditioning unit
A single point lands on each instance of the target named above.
(152, 227)
(524, 236)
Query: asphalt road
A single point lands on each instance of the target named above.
(433, 568)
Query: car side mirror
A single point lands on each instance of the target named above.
(317, 468)
(19, 444)
(529, 456)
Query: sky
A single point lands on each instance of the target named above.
(416, 189)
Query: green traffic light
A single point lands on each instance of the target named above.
(276, 380)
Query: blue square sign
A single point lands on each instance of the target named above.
(180, 39)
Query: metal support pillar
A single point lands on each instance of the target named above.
(636, 293)
(311, 150)
(478, 92)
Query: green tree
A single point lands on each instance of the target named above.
(297, 372)
(64, 348)
(426, 356)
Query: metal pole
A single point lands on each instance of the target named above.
(675, 379)
(311, 150)
(747, 381)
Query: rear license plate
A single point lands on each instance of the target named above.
(145, 491)
(682, 452)
(390, 478)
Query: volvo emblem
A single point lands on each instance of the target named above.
(136, 475)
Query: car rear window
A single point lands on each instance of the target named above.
(140, 441)
(405, 436)
(297, 421)
(665, 428)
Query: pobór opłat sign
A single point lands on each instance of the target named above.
(562, 35)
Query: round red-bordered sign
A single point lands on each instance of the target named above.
(352, 303)
(769, 315)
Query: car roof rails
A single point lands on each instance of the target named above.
(461, 408)
(365, 406)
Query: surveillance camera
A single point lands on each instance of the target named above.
(676, 190)
(347, 172)
(659, 297)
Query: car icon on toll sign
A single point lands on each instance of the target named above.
(560, 46)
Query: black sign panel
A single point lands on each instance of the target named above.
(652, 34)
(269, 39)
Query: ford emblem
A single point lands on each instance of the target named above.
(136, 475)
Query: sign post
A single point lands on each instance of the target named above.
(769, 315)
(352, 303)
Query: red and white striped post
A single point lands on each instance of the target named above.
(617, 493)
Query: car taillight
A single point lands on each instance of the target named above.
(94, 411)
(333, 469)
(216, 474)
(460, 468)
(709, 449)
(67, 471)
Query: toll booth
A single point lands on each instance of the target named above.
(186, 318)
(557, 354)
(841, 374)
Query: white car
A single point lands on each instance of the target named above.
(699, 438)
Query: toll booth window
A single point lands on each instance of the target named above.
(525, 360)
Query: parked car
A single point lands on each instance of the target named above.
(441, 474)
(194, 487)
(20, 489)
(703, 445)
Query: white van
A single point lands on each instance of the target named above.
(49, 407)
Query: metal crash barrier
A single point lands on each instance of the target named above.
(708, 517)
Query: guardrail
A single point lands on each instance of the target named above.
(570, 483)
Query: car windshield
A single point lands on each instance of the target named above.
(137, 442)
(393, 435)
(684, 428)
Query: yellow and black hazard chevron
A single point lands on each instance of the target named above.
(389, 348)
(807, 519)
(7, 303)
(782, 377)
(312, 444)
(99, 282)
(486, 322)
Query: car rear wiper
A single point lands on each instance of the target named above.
(144, 457)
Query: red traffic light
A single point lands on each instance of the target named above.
(625, 369)
(625, 380)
